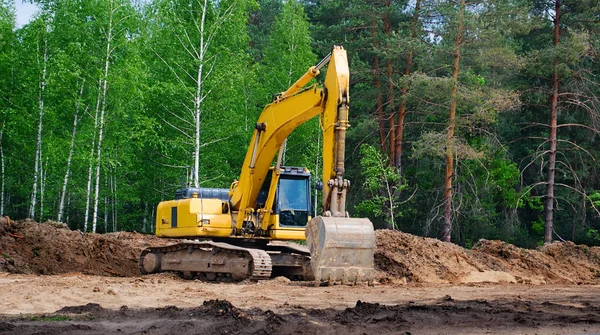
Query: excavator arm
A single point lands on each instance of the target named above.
(274, 125)
(291, 109)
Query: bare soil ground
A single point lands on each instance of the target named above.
(54, 280)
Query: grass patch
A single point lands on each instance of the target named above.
(50, 318)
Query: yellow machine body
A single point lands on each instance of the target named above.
(208, 218)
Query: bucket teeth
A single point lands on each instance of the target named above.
(341, 249)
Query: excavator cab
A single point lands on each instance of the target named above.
(292, 205)
(293, 198)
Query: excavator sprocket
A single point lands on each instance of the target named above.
(209, 260)
(341, 249)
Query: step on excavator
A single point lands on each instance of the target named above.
(246, 231)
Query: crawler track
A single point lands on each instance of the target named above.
(213, 260)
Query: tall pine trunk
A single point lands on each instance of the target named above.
(379, 99)
(450, 147)
(549, 204)
(390, 89)
(398, 141)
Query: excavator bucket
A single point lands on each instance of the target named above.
(341, 249)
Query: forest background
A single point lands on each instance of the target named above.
(470, 120)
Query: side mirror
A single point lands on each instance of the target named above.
(319, 186)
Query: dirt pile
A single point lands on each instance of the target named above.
(426, 260)
(52, 248)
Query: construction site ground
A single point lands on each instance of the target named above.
(54, 280)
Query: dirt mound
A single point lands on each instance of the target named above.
(427, 260)
(221, 308)
(52, 248)
(365, 312)
(418, 259)
(88, 308)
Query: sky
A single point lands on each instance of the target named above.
(24, 12)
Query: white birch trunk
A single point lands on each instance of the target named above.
(68, 206)
(153, 223)
(198, 97)
(91, 165)
(106, 204)
(61, 204)
(114, 202)
(102, 113)
(199, 54)
(145, 225)
(38, 149)
(42, 186)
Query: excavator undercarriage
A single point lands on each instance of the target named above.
(220, 261)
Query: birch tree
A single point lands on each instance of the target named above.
(200, 48)
(115, 31)
(7, 49)
(42, 60)
(92, 160)
(109, 31)
(76, 119)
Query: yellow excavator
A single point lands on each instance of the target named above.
(244, 232)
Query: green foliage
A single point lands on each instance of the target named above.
(505, 175)
(538, 226)
(382, 184)
(534, 203)
(595, 198)
(257, 49)
(593, 234)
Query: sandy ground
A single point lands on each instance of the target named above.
(57, 281)
(147, 305)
